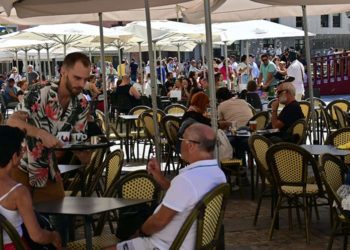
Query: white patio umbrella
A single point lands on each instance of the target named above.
(234, 10)
(108, 5)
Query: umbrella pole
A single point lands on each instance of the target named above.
(212, 89)
(309, 79)
(48, 60)
(178, 53)
(64, 45)
(102, 51)
(153, 82)
(202, 53)
(16, 51)
(228, 82)
(25, 61)
(39, 60)
(140, 65)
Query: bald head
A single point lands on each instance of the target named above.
(204, 134)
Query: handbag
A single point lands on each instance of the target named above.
(44, 224)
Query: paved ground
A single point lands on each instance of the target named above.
(240, 234)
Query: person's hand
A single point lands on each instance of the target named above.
(57, 240)
(153, 167)
(48, 140)
(275, 104)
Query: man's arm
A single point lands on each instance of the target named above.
(158, 221)
(19, 119)
(274, 119)
(153, 168)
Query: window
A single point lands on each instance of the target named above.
(324, 21)
(336, 20)
(299, 21)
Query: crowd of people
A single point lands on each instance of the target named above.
(44, 110)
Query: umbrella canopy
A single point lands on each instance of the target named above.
(62, 33)
(30, 8)
(256, 29)
(171, 46)
(303, 2)
(234, 10)
(6, 44)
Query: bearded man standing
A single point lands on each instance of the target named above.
(45, 112)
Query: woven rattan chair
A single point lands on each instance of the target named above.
(136, 185)
(340, 137)
(6, 226)
(208, 215)
(258, 147)
(113, 134)
(298, 131)
(289, 165)
(262, 118)
(342, 104)
(333, 172)
(252, 109)
(306, 109)
(170, 125)
(341, 117)
(175, 109)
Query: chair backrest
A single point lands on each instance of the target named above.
(6, 226)
(259, 145)
(339, 137)
(289, 164)
(270, 103)
(332, 171)
(209, 213)
(138, 110)
(171, 125)
(341, 117)
(175, 109)
(325, 120)
(306, 109)
(148, 124)
(160, 113)
(317, 102)
(100, 118)
(343, 104)
(137, 185)
(298, 129)
(252, 108)
(262, 118)
(113, 165)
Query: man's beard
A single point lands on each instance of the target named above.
(73, 91)
(282, 99)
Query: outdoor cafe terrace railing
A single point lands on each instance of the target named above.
(331, 74)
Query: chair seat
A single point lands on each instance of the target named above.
(231, 162)
(98, 242)
(292, 190)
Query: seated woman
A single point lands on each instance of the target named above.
(15, 199)
(198, 106)
(252, 97)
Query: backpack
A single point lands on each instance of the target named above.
(224, 146)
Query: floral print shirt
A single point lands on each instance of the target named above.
(45, 112)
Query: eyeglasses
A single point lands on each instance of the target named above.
(185, 139)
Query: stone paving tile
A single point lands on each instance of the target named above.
(240, 234)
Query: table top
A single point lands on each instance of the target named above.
(67, 168)
(129, 117)
(322, 149)
(84, 205)
(84, 146)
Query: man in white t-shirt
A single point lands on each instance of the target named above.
(296, 70)
(183, 192)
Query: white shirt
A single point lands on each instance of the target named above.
(185, 191)
(296, 70)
